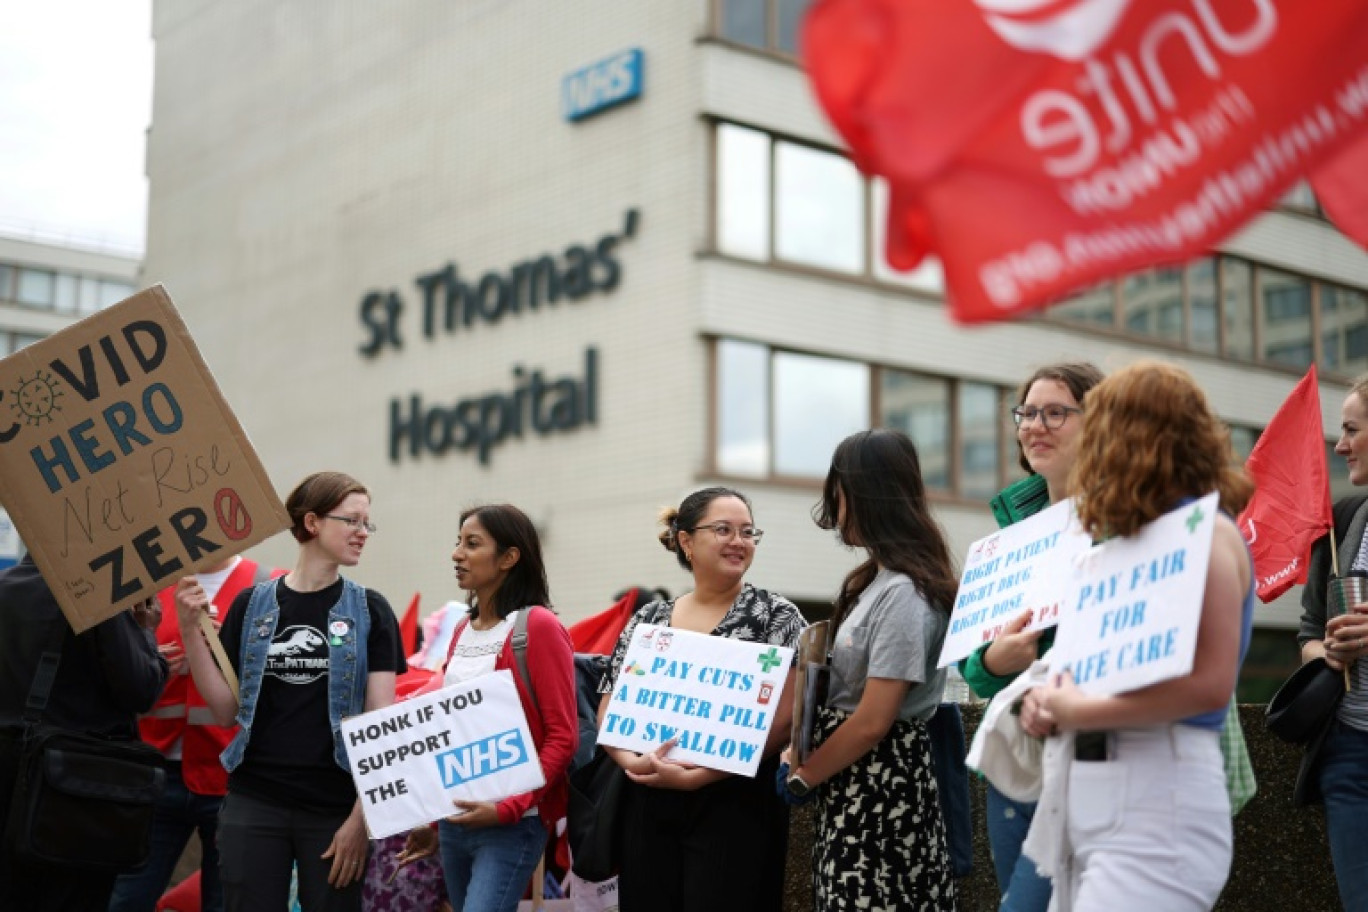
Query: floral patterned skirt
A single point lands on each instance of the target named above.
(880, 843)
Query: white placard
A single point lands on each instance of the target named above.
(470, 741)
(717, 695)
(1024, 566)
(1130, 618)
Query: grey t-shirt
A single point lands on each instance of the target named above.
(891, 633)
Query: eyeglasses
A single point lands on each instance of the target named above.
(1052, 416)
(353, 523)
(725, 531)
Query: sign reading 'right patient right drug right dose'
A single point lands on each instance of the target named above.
(1134, 604)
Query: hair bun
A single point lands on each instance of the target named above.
(669, 535)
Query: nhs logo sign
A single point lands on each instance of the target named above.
(602, 85)
(481, 758)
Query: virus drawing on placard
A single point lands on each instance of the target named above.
(36, 398)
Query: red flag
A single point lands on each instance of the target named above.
(408, 627)
(1341, 189)
(1291, 506)
(598, 634)
(1040, 146)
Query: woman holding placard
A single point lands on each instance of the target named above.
(880, 841)
(1048, 422)
(1146, 818)
(490, 849)
(697, 839)
(1337, 770)
(310, 648)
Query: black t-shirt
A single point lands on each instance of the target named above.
(289, 759)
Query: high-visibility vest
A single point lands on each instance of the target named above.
(181, 711)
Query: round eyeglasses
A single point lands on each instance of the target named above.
(725, 531)
(1052, 416)
(353, 523)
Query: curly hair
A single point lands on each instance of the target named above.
(1149, 439)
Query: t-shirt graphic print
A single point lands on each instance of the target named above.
(298, 655)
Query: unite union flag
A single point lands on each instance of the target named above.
(1040, 146)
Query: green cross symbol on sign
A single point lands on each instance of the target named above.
(1194, 519)
(769, 659)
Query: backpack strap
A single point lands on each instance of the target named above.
(46, 675)
(518, 640)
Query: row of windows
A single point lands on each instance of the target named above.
(63, 292)
(769, 25)
(11, 342)
(780, 414)
(780, 201)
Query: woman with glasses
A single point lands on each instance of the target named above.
(880, 841)
(490, 849)
(1144, 806)
(696, 839)
(310, 649)
(1048, 418)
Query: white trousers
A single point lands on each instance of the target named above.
(1150, 828)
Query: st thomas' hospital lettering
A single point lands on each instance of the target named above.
(449, 304)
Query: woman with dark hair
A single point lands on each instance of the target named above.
(310, 649)
(1335, 770)
(1145, 807)
(490, 849)
(696, 839)
(1048, 423)
(880, 841)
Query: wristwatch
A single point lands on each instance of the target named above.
(797, 787)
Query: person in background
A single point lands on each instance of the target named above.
(1048, 418)
(1145, 807)
(697, 839)
(183, 729)
(310, 649)
(1337, 770)
(490, 849)
(880, 840)
(108, 674)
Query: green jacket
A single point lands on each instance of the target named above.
(1012, 504)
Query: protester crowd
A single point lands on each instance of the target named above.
(1137, 796)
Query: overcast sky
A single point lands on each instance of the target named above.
(75, 104)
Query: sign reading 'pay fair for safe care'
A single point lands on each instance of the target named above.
(470, 741)
(1134, 604)
(121, 463)
(716, 695)
(1023, 567)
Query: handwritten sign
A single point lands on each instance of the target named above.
(716, 695)
(470, 741)
(121, 463)
(1134, 604)
(1024, 566)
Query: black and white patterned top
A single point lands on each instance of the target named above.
(757, 616)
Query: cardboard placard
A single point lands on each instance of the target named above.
(716, 695)
(120, 462)
(1024, 566)
(470, 741)
(1134, 604)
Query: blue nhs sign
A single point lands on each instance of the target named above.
(602, 85)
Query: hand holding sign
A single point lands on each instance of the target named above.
(1014, 649)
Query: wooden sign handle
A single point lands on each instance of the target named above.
(220, 656)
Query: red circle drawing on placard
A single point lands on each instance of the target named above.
(232, 514)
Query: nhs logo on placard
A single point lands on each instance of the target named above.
(480, 758)
(601, 85)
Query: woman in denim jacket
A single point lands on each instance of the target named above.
(310, 649)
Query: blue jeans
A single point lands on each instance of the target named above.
(180, 812)
(1344, 783)
(488, 869)
(1022, 889)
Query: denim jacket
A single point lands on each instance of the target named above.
(347, 666)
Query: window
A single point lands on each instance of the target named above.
(780, 414)
(1096, 306)
(6, 282)
(1344, 329)
(929, 276)
(36, 287)
(770, 25)
(1285, 318)
(818, 402)
(742, 408)
(743, 192)
(1237, 308)
(818, 209)
(1205, 331)
(113, 292)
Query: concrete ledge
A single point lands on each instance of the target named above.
(1282, 859)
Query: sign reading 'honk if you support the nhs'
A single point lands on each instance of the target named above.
(716, 696)
(469, 741)
(1134, 604)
